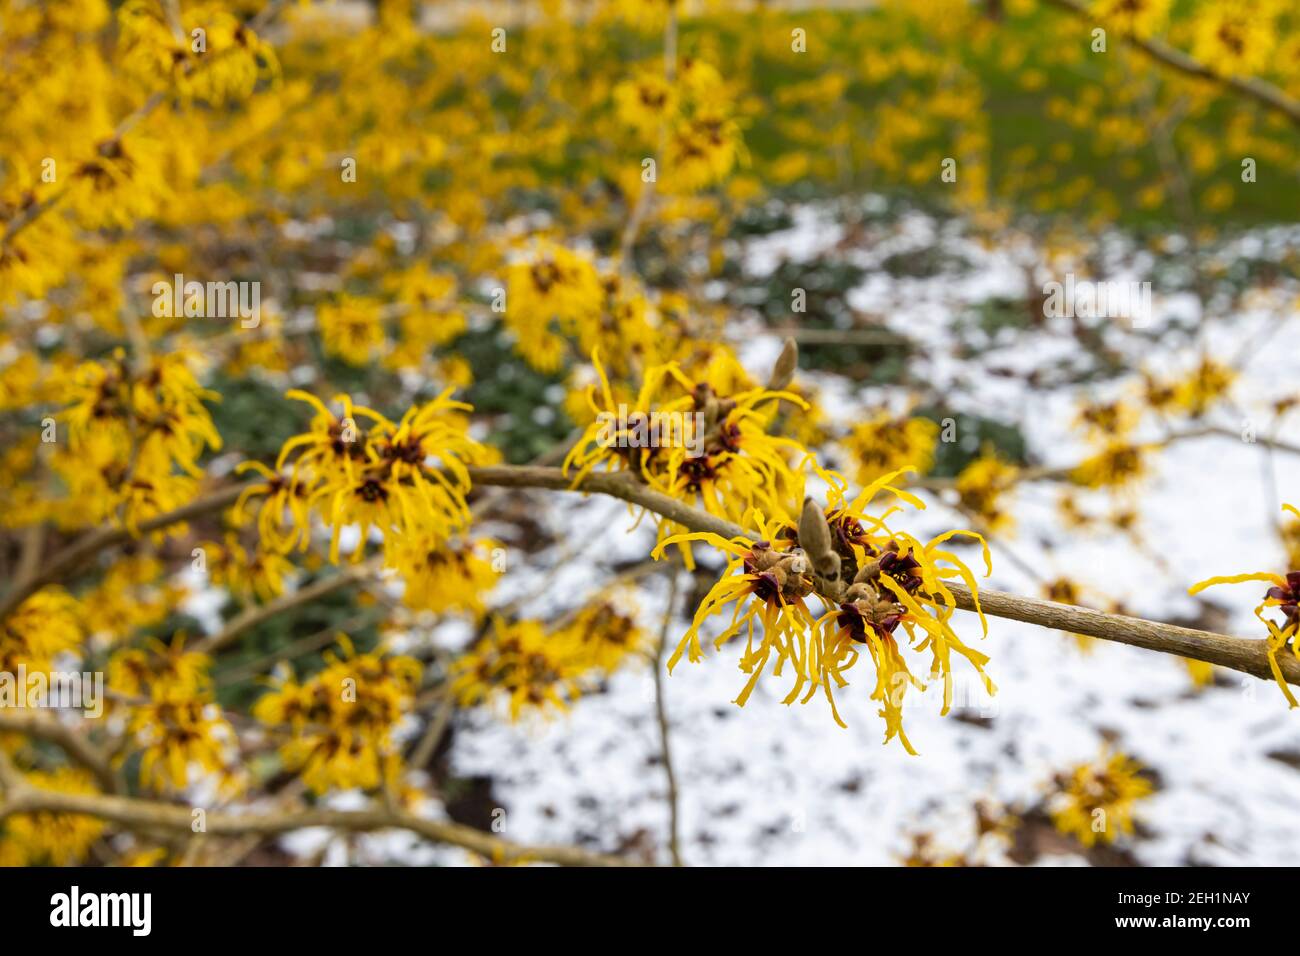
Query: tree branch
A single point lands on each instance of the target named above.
(1250, 656)
(60, 565)
(250, 618)
(1247, 655)
(153, 815)
(43, 725)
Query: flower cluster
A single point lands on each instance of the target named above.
(528, 668)
(405, 478)
(47, 624)
(881, 580)
(714, 449)
(133, 594)
(135, 438)
(886, 443)
(553, 294)
(51, 839)
(212, 56)
(173, 718)
(342, 719)
(246, 573)
(445, 576)
(982, 487)
(1095, 802)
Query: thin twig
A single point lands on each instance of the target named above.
(661, 715)
(237, 626)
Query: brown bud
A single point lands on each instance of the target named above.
(794, 561)
(860, 592)
(786, 363)
(868, 572)
(815, 538)
(762, 556)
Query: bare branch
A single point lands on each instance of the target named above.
(75, 742)
(153, 815)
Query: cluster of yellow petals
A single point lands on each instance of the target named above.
(46, 625)
(525, 667)
(1095, 802)
(135, 436)
(173, 719)
(51, 839)
(712, 450)
(342, 720)
(401, 478)
(770, 582)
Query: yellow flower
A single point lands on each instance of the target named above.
(887, 443)
(898, 581)
(1095, 802)
(700, 152)
(981, 486)
(119, 184)
(342, 719)
(130, 430)
(707, 448)
(645, 102)
(44, 626)
(257, 574)
(51, 839)
(211, 56)
(1209, 382)
(1234, 37)
(131, 595)
(1107, 420)
(554, 290)
(285, 496)
(606, 635)
(443, 576)
(182, 736)
(895, 581)
(352, 329)
(406, 477)
(135, 671)
(1118, 464)
(1284, 594)
(430, 317)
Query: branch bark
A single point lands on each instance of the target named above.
(44, 725)
(237, 626)
(153, 815)
(63, 563)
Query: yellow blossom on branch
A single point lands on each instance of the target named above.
(1095, 802)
